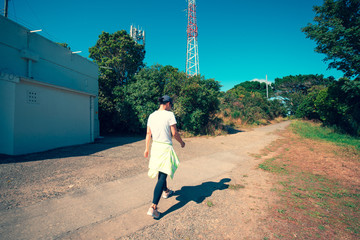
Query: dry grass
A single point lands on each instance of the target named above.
(319, 189)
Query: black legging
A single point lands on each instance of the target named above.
(160, 187)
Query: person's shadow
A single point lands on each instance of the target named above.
(196, 193)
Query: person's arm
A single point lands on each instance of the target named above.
(148, 137)
(176, 135)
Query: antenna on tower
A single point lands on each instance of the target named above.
(192, 52)
(138, 35)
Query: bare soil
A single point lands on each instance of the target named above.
(319, 187)
(247, 209)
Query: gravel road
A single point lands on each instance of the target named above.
(226, 199)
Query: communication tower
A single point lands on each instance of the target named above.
(138, 35)
(192, 53)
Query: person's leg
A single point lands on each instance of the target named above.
(165, 184)
(159, 188)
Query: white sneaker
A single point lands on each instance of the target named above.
(168, 194)
(153, 212)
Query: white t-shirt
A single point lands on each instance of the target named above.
(159, 123)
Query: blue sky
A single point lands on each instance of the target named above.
(239, 40)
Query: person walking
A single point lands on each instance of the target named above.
(161, 127)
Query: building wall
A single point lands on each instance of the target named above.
(66, 121)
(7, 108)
(48, 94)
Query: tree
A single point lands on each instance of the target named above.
(338, 105)
(250, 106)
(255, 86)
(119, 57)
(294, 89)
(307, 107)
(337, 33)
(143, 93)
(300, 83)
(196, 104)
(195, 99)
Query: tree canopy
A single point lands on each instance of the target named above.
(195, 98)
(255, 86)
(247, 103)
(335, 105)
(119, 57)
(128, 93)
(300, 83)
(337, 32)
(294, 89)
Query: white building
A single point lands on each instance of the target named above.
(48, 95)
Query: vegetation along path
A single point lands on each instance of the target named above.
(101, 191)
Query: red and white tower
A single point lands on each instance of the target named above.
(192, 53)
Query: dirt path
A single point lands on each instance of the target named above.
(101, 191)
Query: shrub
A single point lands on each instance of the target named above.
(195, 99)
(235, 114)
(339, 105)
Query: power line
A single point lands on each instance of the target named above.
(35, 15)
(31, 26)
(13, 16)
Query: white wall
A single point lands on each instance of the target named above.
(7, 108)
(55, 64)
(67, 120)
(64, 83)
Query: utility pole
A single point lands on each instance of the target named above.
(6, 8)
(267, 91)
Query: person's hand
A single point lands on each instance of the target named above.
(146, 153)
(183, 144)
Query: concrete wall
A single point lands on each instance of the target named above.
(7, 110)
(48, 95)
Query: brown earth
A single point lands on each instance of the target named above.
(323, 180)
(240, 204)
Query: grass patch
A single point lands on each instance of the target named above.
(317, 132)
(257, 156)
(322, 199)
(271, 166)
(236, 186)
(209, 203)
(282, 211)
(321, 227)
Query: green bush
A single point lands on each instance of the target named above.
(119, 58)
(307, 108)
(195, 99)
(294, 89)
(235, 114)
(250, 107)
(196, 104)
(339, 105)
